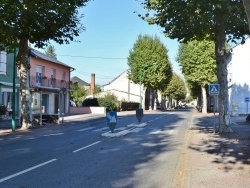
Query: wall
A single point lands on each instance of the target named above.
(87, 110)
(123, 88)
(238, 78)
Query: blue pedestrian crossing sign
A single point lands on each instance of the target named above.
(247, 99)
(214, 89)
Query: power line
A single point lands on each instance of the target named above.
(89, 57)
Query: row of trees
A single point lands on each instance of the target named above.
(218, 21)
(149, 65)
(198, 65)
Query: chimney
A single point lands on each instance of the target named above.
(92, 84)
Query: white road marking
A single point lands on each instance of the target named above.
(27, 170)
(121, 129)
(136, 130)
(155, 131)
(56, 134)
(86, 146)
(85, 129)
(102, 129)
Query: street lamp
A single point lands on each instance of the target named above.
(141, 75)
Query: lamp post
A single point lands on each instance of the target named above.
(141, 75)
(13, 119)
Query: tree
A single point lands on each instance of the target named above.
(246, 4)
(211, 20)
(149, 62)
(198, 65)
(78, 94)
(97, 89)
(38, 22)
(176, 88)
(51, 52)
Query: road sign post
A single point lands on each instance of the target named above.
(111, 118)
(214, 90)
(139, 114)
(247, 100)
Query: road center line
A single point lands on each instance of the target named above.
(27, 170)
(86, 146)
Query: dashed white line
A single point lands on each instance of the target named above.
(27, 170)
(56, 134)
(86, 146)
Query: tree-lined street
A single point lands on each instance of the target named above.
(76, 155)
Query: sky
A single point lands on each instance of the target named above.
(111, 29)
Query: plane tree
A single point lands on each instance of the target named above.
(38, 22)
(176, 88)
(198, 65)
(149, 63)
(218, 20)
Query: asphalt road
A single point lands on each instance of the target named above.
(76, 155)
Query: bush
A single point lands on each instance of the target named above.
(3, 110)
(90, 102)
(110, 102)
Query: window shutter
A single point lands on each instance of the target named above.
(3, 61)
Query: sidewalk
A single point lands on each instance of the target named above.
(216, 160)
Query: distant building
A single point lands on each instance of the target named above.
(78, 80)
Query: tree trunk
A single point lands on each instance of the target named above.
(23, 65)
(204, 100)
(246, 4)
(221, 68)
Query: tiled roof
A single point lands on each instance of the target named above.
(75, 79)
(37, 54)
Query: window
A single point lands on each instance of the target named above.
(63, 75)
(3, 62)
(39, 73)
(52, 77)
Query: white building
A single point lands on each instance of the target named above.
(126, 90)
(239, 78)
(123, 88)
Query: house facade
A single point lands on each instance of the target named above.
(238, 66)
(126, 90)
(49, 84)
(6, 81)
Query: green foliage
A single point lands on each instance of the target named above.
(97, 89)
(78, 94)
(22, 19)
(198, 20)
(176, 88)
(51, 52)
(90, 102)
(198, 64)
(109, 101)
(149, 62)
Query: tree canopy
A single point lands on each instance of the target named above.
(197, 61)
(78, 94)
(50, 51)
(149, 63)
(38, 22)
(218, 20)
(176, 88)
(198, 64)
